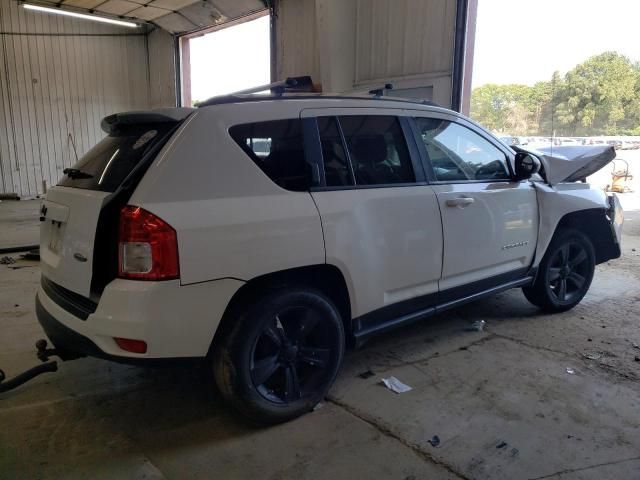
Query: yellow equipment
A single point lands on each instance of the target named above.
(620, 178)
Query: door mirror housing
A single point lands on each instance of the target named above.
(526, 165)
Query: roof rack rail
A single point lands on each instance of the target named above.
(378, 92)
(290, 84)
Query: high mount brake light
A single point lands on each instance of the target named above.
(147, 246)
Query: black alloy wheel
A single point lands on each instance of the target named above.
(568, 271)
(565, 272)
(281, 356)
(291, 357)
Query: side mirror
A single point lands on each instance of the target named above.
(526, 165)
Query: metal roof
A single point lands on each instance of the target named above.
(175, 16)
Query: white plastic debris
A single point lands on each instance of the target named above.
(395, 385)
(571, 371)
(477, 326)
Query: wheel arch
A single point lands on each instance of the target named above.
(326, 278)
(593, 223)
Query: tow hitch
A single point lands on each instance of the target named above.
(43, 354)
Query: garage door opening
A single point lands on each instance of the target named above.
(226, 60)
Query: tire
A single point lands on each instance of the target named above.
(565, 272)
(282, 355)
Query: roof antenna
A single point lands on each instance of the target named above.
(379, 92)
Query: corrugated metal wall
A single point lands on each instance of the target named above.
(297, 44)
(404, 37)
(410, 43)
(58, 78)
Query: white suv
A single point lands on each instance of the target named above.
(263, 234)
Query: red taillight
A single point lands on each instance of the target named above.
(148, 246)
(129, 345)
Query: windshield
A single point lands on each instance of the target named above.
(106, 165)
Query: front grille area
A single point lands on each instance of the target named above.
(74, 303)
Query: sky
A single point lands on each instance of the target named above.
(230, 59)
(525, 41)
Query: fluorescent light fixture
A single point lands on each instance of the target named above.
(59, 11)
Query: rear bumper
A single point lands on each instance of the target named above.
(69, 343)
(175, 321)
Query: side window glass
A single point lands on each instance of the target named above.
(457, 153)
(277, 148)
(336, 166)
(377, 148)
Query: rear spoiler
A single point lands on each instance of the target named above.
(115, 123)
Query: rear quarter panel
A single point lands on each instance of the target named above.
(232, 221)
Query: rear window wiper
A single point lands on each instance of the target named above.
(76, 174)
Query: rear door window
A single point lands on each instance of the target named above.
(277, 148)
(377, 149)
(106, 165)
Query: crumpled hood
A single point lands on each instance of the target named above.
(572, 163)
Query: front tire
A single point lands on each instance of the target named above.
(282, 355)
(565, 272)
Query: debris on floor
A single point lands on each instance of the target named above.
(571, 371)
(367, 374)
(501, 445)
(20, 267)
(31, 254)
(395, 385)
(434, 441)
(7, 260)
(593, 356)
(477, 326)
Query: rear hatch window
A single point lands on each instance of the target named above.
(105, 166)
(80, 215)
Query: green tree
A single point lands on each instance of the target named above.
(504, 108)
(599, 96)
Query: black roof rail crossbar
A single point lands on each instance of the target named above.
(290, 84)
(225, 99)
(378, 92)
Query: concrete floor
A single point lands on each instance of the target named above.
(501, 401)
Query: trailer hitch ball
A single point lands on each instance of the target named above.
(43, 352)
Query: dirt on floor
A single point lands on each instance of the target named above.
(532, 396)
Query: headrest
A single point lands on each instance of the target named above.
(370, 149)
